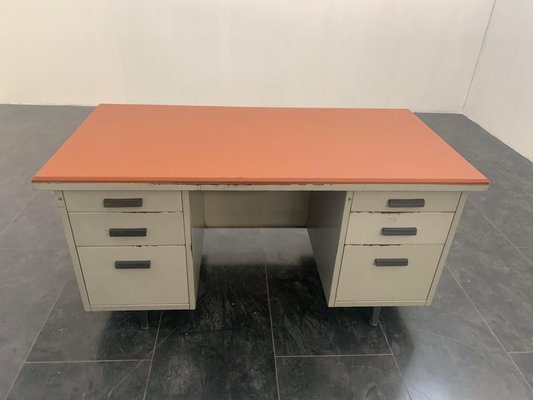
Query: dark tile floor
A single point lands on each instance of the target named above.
(262, 329)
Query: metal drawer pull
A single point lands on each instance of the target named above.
(398, 231)
(141, 264)
(134, 202)
(391, 262)
(406, 203)
(127, 232)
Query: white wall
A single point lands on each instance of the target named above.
(353, 53)
(501, 97)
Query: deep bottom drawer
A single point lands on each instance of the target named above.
(135, 275)
(379, 273)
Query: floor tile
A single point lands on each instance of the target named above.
(36, 227)
(497, 277)
(509, 207)
(447, 352)
(233, 246)
(13, 198)
(224, 349)
(480, 147)
(74, 381)
(221, 350)
(303, 324)
(286, 246)
(524, 361)
(350, 378)
(528, 253)
(30, 282)
(71, 334)
(31, 134)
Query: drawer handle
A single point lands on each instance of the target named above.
(398, 231)
(391, 262)
(127, 232)
(406, 203)
(141, 264)
(113, 203)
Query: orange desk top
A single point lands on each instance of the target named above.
(214, 145)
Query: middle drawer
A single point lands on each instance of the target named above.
(398, 228)
(116, 229)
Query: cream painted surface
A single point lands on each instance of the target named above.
(365, 228)
(72, 250)
(501, 97)
(193, 213)
(378, 201)
(326, 226)
(164, 282)
(256, 208)
(80, 200)
(447, 246)
(376, 303)
(361, 280)
(343, 269)
(92, 229)
(418, 54)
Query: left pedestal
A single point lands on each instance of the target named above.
(129, 248)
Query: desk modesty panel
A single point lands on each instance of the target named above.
(379, 192)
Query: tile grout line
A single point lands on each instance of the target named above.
(336, 355)
(500, 231)
(36, 337)
(86, 361)
(121, 381)
(484, 320)
(270, 316)
(395, 361)
(272, 333)
(18, 214)
(492, 332)
(152, 358)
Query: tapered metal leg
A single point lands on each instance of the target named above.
(143, 320)
(374, 318)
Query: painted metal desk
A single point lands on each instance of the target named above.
(379, 192)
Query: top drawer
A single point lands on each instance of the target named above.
(405, 201)
(122, 200)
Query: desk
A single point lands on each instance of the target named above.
(380, 194)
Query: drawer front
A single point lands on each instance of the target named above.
(402, 273)
(368, 228)
(142, 276)
(125, 229)
(405, 201)
(122, 200)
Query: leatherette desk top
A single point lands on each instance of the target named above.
(245, 145)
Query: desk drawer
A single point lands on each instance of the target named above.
(119, 229)
(122, 200)
(407, 228)
(403, 273)
(405, 201)
(135, 275)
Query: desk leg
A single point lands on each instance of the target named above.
(374, 318)
(143, 320)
